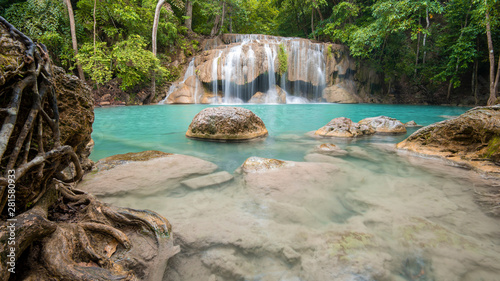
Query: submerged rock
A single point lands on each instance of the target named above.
(208, 180)
(344, 128)
(259, 164)
(226, 124)
(412, 124)
(472, 139)
(330, 149)
(384, 125)
(120, 159)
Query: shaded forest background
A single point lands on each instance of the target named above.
(437, 52)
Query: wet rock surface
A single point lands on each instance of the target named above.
(153, 172)
(325, 219)
(330, 149)
(343, 127)
(226, 124)
(471, 140)
(384, 125)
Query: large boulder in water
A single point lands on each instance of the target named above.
(472, 139)
(344, 128)
(384, 125)
(226, 124)
(338, 94)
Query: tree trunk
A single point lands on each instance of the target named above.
(493, 83)
(73, 37)
(425, 35)
(312, 23)
(153, 43)
(230, 20)
(189, 15)
(474, 80)
(418, 50)
(316, 6)
(223, 16)
(215, 29)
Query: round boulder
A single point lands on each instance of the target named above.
(384, 125)
(344, 128)
(226, 124)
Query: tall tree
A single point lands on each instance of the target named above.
(189, 15)
(491, 53)
(153, 43)
(73, 36)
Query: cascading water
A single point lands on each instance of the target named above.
(215, 77)
(272, 95)
(245, 68)
(189, 72)
(251, 68)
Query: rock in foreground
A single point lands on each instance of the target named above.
(344, 128)
(472, 139)
(226, 124)
(143, 173)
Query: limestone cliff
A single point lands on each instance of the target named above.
(235, 67)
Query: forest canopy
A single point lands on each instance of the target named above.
(428, 44)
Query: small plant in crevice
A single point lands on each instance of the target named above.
(283, 59)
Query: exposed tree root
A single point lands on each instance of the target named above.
(61, 233)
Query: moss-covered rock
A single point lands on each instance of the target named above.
(472, 139)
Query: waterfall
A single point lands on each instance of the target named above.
(214, 75)
(232, 71)
(189, 72)
(246, 64)
(272, 95)
(251, 70)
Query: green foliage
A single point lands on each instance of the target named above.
(133, 63)
(128, 60)
(256, 17)
(283, 59)
(339, 29)
(96, 63)
(493, 147)
(45, 21)
(329, 53)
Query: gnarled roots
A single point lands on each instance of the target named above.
(60, 233)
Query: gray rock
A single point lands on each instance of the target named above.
(344, 128)
(226, 124)
(208, 180)
(384, 125)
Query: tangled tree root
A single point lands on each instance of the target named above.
(60, 233)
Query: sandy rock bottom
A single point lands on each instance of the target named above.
(383, 216)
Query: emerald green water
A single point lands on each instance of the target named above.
(162, 127)
(373, 214)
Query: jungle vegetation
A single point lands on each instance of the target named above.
(427, 45)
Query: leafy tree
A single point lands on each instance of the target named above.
(45, 21)
(134, 63)
(96, 62)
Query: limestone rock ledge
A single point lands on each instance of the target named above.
(471, 140)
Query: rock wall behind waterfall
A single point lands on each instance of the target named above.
(236, 68)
